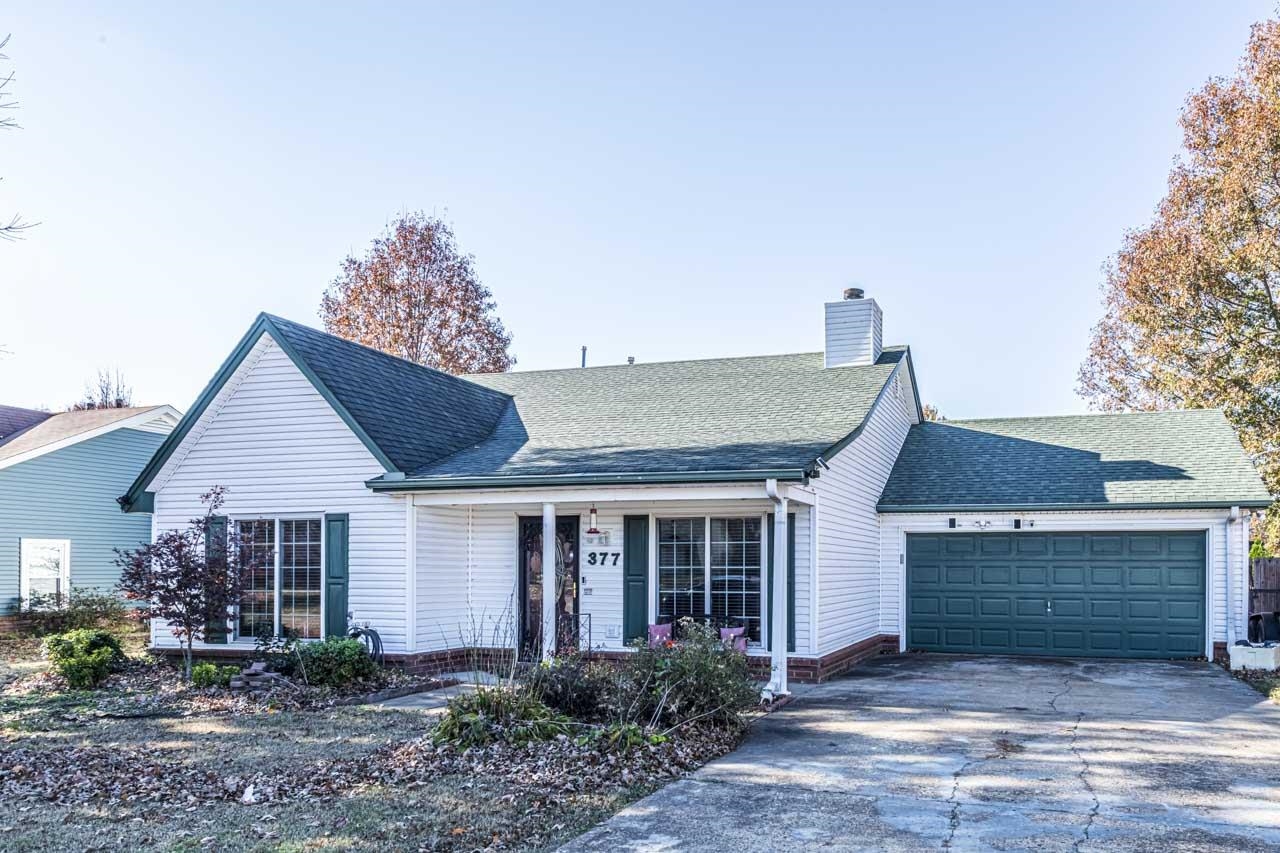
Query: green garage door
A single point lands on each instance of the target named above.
(1125, 595)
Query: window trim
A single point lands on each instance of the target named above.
(277, 594)
(656, 519)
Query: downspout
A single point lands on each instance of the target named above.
(778, 615)
(1229, 604)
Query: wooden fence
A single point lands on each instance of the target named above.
(1264, 585)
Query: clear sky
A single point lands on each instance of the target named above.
(663, 180)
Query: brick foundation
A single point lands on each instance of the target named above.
(1220, 651)
(802, 670)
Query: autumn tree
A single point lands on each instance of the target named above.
(11, 230)
(107, 391)
(1192, 315)
(413, 294)
(190, 579)
(931, 412)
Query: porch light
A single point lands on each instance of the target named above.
(591, 520)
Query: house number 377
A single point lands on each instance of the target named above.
(603, 558)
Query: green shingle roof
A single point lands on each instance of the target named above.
(412, 413)
(757, 414)
(1143, 459)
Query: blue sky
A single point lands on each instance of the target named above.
(658, 180)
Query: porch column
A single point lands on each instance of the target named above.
(548, 580)
(778, 604)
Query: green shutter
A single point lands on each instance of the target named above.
(215, 630)
(336, 534)
(635, 577)
(791, 582)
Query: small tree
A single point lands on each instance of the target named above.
(190, 578)
(106, 392)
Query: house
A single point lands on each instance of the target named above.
(59, 478)
(800, 496)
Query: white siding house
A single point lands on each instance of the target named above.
(776, 495)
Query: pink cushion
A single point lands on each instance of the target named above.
(735, 638)
(659, 634)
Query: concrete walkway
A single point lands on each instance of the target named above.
(926, 753)
(433, 701)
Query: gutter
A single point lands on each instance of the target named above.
(391, 483)
(1066, 507)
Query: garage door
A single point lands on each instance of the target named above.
(1129, 595)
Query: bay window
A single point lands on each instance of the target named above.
(283, 591)
(711, 567)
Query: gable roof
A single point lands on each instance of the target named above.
(404, 413)
(1141, 460)
(14, 420)
(706, 420)
(712, 420)
(57, 431)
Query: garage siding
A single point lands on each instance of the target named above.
(1223, 540)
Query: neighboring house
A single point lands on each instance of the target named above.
(60, 475)
(798, 496)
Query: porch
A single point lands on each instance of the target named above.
(625, 558)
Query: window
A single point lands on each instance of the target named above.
(735, 572)
(681, 569)
(300, 577)
(283, 591)
(44, 572)
(257, 604)
(711, 567)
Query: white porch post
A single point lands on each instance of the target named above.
(778, 606)
(548, 580)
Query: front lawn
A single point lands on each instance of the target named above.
(146, 763)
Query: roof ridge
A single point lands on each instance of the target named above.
(894, 348)
(1080, 415)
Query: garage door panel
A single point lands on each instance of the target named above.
(1105, 576)
(1112, 594)
(1067, 576)
(995, 575)
(1031, 575)
(990, 607)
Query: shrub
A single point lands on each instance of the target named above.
(572, 685)
(698, 678)
(83, 608)
(212, 675)
(84, 656)
(492, 714)
(335, 662)
(280, 654)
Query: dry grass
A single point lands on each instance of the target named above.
(457, 811)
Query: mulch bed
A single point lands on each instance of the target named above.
(149, 688)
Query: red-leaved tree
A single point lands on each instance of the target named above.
(415, 295)
(189, 578)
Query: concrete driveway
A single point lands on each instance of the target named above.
(932, 752)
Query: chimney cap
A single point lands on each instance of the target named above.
(853, 293)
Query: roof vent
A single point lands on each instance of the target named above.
(853, 293)
(631, 359)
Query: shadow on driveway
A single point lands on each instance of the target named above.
(925, 752)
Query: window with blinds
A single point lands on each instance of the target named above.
(681, 568)
(735, 592)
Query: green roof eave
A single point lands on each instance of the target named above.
(1251, 503)
(409, 484)
(134, 500)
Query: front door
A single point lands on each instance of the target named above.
(531, 580)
